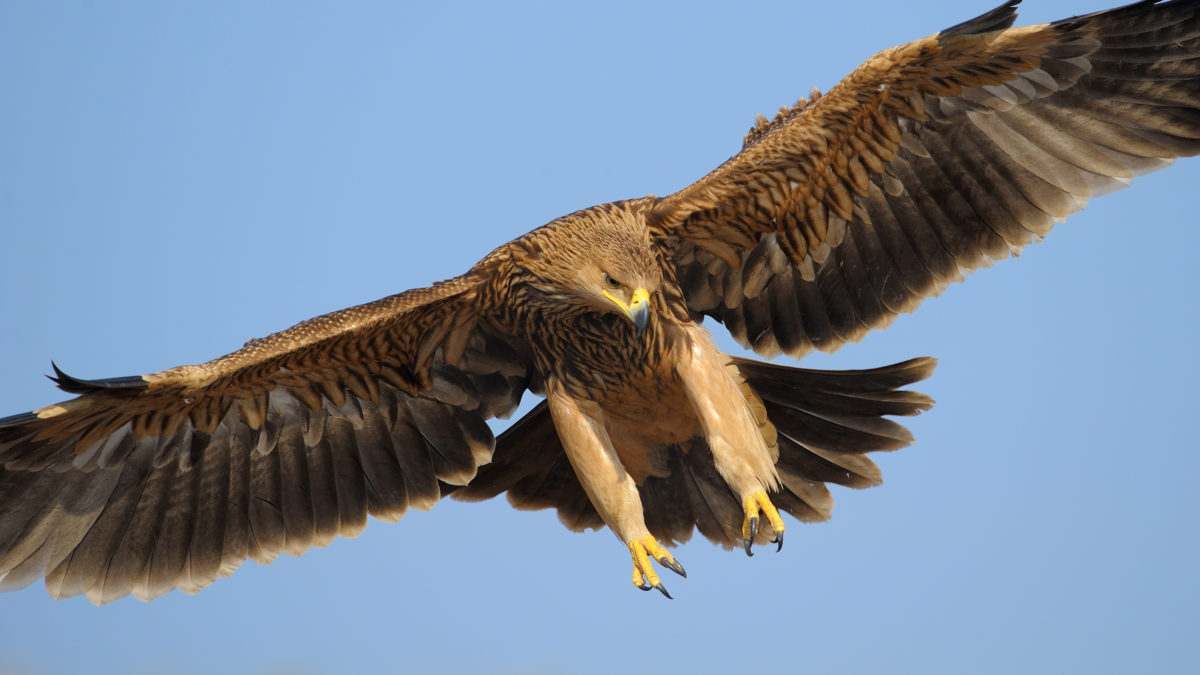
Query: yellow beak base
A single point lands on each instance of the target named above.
(638, 308)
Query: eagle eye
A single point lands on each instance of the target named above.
(611, 282)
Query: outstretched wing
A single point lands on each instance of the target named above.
(144, 484)
(930, 160)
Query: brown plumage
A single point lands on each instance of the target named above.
(930, 160)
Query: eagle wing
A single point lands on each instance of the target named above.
(147, 483)
(931, 159)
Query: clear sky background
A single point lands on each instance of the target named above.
(175, 180)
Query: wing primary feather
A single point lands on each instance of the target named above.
(782, 301)
(388, 497)
(267, 535)
(952, 213)
(44, 546)
(322, 485)
(910, 266)
(299, 517)
(839, 306)
(139, 545)
(811, 308)
(879, 269)
(415, 458)
(919, 231)
(860, 290)
(206, 551)
(349, 480)
(74, 385)
(453, 459)
(999, 18)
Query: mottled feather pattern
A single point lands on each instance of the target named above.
(176, 492)
(301, 479)
(932, 159)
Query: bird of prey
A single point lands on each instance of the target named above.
(930, 160)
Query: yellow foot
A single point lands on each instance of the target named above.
(751, 506)
(644, 577)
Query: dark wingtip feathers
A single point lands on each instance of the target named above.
(998, 19)
(13, 421)
(74, 385)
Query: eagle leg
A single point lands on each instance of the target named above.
(741, 438)
(755, 503)
(643, 549)
(582, 427)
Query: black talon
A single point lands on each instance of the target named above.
(753, 533)
(663, 589)
(673, 565)
(778, 538)
(645, 586)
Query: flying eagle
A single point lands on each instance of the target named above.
(930, 160)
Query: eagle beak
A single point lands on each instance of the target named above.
(638, 309)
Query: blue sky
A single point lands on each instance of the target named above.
(176, 180)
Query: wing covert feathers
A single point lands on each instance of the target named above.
(171, 480)
(929, 161)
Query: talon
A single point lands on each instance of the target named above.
(644, 577)
(753, 534)
(673, 565)
(752, 505)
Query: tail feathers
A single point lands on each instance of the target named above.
(853, 393)
(693, 496)
(825, 422)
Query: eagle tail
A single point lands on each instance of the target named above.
(826, 421)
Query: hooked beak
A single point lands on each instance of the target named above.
(638, 309)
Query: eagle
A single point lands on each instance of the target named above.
(930, 160)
